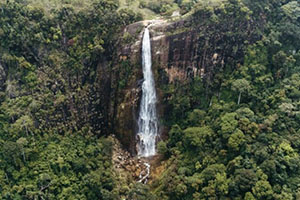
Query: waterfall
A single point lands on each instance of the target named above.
(147, 122)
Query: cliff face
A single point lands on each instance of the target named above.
(104, 99)
(181, 51)
(174, 57)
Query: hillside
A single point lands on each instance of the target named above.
(227, 89)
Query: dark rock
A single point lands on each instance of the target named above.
(181, 50)
(2, 77)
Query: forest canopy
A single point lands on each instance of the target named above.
(232, 134)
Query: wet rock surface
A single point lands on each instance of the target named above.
(182, 50)
(123, 162)
(177, 55)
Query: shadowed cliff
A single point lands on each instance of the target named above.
(198, 46)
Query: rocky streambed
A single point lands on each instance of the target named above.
(136, 169)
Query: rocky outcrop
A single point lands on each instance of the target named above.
(124, 163)
(175, 50)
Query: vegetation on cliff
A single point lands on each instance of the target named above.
(53, 103)
(234, 132)
(236, 135)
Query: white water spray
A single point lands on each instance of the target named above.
(147, 122)
(144, 178)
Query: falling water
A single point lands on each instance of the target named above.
(147, 122)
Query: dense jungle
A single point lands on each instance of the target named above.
(227, 81)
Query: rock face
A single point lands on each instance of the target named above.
(174, 57)
(128, 109)
(2, 77)
(124, 163)
(178, 50)
(181, 50)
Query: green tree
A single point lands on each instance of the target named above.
(236, 140)
(22, 142)
(249, 196)
(263, 190)
(241, 86)
(198, 137)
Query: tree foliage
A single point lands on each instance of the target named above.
(234, 132)
(241, 140)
